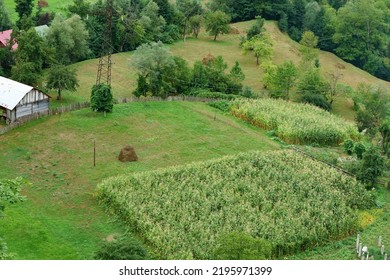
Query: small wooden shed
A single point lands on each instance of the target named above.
(18, 100)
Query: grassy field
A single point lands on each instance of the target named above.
(61, 219)
(124, 77)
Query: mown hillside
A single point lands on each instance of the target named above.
(124, 77)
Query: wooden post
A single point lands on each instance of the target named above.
(385, 256)
(360, 249)
(382, 249)
(94, 153)
(357, 243)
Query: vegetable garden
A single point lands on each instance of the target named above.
(295, 123)
(283, 197)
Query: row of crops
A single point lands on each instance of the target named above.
(295, 123)
(283, 197)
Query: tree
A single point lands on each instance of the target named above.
(189, 8)
(314, 89)
(69, 39)
(256, 29)
(30, 58)
(236, 73)
(196, 24)
(153, 61)
(241, 246)
(359, 30)
(217, 23)
(308, 49)
(261, 47)
(152, 21)
(372, 168)
(334, 86)
(283, 80)
(372, 106)
(5, 22)
(101, 98)
(384, 130)
(24, 9)
(9, 193)
(61, 77)
(80, 7)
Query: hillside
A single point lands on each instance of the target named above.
(123, 77)
(61, 219)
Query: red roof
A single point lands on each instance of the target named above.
(5, 36)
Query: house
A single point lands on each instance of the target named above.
(18, 100)
(5, 36)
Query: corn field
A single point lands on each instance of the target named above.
(284, 197)
(295, 123)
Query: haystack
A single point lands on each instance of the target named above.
(208, 59)
(127, 154)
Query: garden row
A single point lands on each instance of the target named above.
(283, 197)
(295, 123)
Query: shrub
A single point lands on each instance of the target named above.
(359, 149)
(349, 146)
(222, 105)
(316, 100)
(241, 246)
(124, 248)
(101, 98)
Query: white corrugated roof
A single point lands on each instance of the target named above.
(11, 92)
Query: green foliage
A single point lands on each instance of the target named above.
(24, 9)
(384, 130)
(152, 22)
(212, 76)
(61, 77)
(349, 146)
(241, 246)
(123, 248)
(30, 58)
(5, 22)
(248, 92)
(261, 46)
(266, 195)
(256, 29)
(372, 106)
(69, 39)
(314, 87)
(295, 123)
(281, 79)
(359, 150)
(222, 105)
(373, 167)
(196, 22)
(10, 191)
(217, 23)
(142, 86)
(316, 100)
(283, 23)
(101, 98)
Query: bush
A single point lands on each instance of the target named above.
(101, 98)
(349, 146)
(124, 248)
(247, 92)
(241, 246)
(222, 105)
(359, 149)
(213, 95)
(316, 100)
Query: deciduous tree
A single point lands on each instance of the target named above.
(61, 77)
(217, 23)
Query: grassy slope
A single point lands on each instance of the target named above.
(61, 218)
(123, 77)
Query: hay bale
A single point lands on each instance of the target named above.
(234, 30)
(208, 59)
(127, 154)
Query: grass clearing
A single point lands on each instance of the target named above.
(61, 219)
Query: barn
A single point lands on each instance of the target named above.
(18, 100)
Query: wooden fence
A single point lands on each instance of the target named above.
(82, 105)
